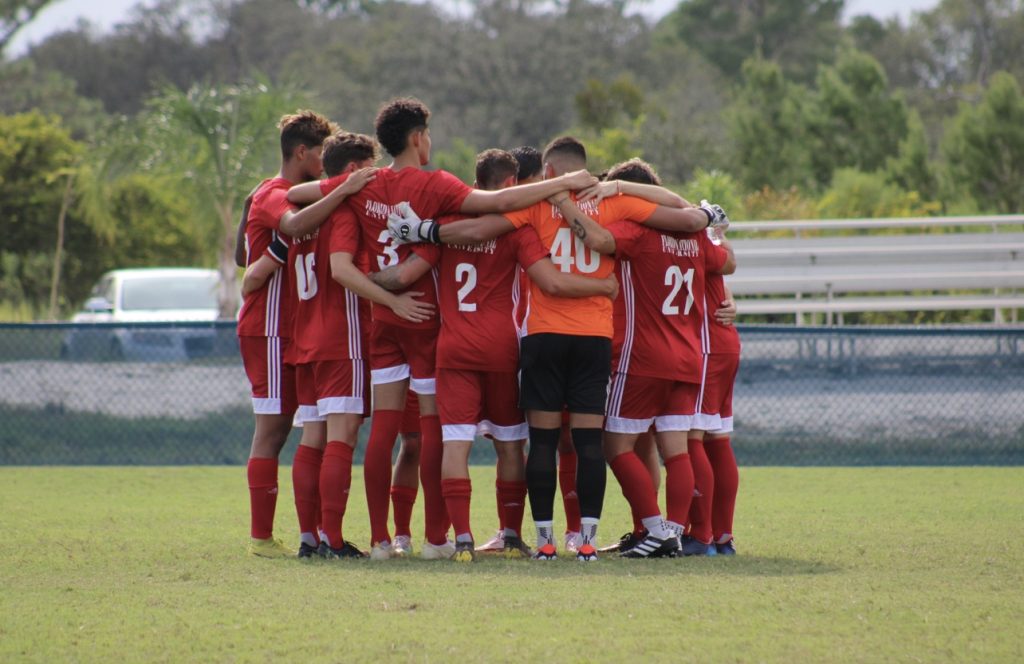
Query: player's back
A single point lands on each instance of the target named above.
(479, 295)
(267, 311)
(660, 310)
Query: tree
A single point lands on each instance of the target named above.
(213, 142)
(798, 34)
(767, 125)
(984, 147)
(854, 120)
(14, 14)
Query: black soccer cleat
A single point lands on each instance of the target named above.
(653, 547)
(625, 543)
(308, 550)
(346, 550)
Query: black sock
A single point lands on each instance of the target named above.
(590, 471)
(542, 472)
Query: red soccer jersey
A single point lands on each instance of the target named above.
(364, 221)
(480, 299)
(267, 312)
(331, 322)
(661, 301)
(720, 338)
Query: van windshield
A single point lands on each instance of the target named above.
(191, 292)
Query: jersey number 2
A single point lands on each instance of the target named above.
(466, 271)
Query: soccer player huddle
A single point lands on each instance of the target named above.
(589, 317)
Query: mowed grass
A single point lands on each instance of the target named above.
(865, 564)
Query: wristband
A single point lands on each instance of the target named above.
(278, 250)
(708, 214)
(434, 234)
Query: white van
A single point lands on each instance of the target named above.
(146, 295)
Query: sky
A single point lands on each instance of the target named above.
(64, 14)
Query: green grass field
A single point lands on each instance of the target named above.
(865, 564)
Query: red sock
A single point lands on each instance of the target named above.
(335, 481)
(262, 496)
(457, 493)
(501, 510)
(512, 499)
(638, 524)
(704, 483)
(402, 500)
(377, 470)
(727, 482)
(435, 514)
(567, 485)
(678, 487)
(636, 485)
(306, 487)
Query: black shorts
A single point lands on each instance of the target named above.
(565, 370)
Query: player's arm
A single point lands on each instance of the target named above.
(298, 223)
(305, 193)
(726, 312)
(401, 276)
(240, 256)
(730, 263)
(406, 226)
(594, 236)
(648, 192)
(560, 284)
(405, 306)
(524, 195)
(257, 274)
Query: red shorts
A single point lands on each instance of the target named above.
(398, 353)
(273, 381)
(635, 402)
(411, 417)
(479, 402)
(331, 387)
(715, 404)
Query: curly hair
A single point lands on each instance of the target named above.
(396, 120)
(304, 127)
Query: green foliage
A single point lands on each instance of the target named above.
(854, 119)
(911, 168)
(718, 187)
(797, 34)
(773, 204)
(984, 147)
(459, 159)
(26, 88)
(603, 106)
(856, 194)
(14, 14)
(767, 126)
(185, 591)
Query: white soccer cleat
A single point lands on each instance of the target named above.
(494, 545)
(381, 551)
(573, 540)
(438, 551)
(402, 546)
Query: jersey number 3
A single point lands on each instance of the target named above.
(675, 278)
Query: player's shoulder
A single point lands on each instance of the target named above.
(268, 187)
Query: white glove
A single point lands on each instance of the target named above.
(716, 215)
(406, 226)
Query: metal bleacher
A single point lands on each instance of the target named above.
(837, 266)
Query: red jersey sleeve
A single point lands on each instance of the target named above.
(528, 247)
(330, 184)
(344, 232)
(629, 207)
(627, 237)
(276, 205)
(715, 255)
(449, 190)
(428, 252)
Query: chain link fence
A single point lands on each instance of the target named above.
(177, 394)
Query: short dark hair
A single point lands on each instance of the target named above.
(566, 146)
(493, 167)
(303, 127)
(529, 161)
(343, 147)
(396, 120)
(634, 170)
